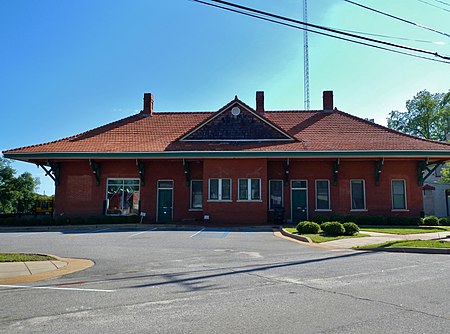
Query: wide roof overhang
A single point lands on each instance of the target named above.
(410, 154)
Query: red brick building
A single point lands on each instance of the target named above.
(238, 164)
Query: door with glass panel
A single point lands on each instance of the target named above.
(299, 200)
(165, 201)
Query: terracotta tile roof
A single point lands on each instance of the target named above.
(312, 130)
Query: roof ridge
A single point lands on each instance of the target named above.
(391, 130)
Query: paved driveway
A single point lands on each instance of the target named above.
(223, 281)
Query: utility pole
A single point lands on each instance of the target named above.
(305, 57)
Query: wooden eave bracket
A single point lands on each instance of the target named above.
(96, 170)
(378, 167)
(423, 166)
(286, 172)
(141, 170)
(336, 164)
(53, 171)
(187, 172)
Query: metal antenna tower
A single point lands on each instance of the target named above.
(305, 57)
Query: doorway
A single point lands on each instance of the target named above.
(299, 200)
(165, 201)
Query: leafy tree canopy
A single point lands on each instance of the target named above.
(428, 116)
(16, 193)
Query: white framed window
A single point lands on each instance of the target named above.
(358, 195)
(219, 189)
(196, 195)
(122, 196)
(323, 195)
(398, 195)
(249, 189)
(275, 194)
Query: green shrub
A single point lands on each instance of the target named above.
(300, 225)
(431, 221)
(92, 220)
(371, 220)
(444, 221)
(336, 218)
(350, 228)
(77, 221)
(415, 221)
(308, 228)
(62, 220)
(47, 221)
(333, 228)
(107, 219)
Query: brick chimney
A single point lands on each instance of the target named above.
(260, 102)
(328, 101)
(148, 104)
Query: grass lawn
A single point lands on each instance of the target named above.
(318, 238)
(409, 243)
(404, 229)
(19, 257)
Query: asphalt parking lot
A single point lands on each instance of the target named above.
(204, 280)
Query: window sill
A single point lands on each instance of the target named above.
(400, 210)
(250, 200)
(323, 210)
(220, 201)
(359, 210)
(196, 209)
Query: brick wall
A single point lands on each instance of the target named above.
(78, 193)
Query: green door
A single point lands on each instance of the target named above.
(299, 207)
(165, 207)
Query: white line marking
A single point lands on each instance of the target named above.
(105, 229)
(198, 232)
(53, 288)
(134, 234)
(23, 234)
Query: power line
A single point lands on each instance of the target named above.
(397, 18)
(435, 6)
(443, 2)
(391, 37)
(244, 11)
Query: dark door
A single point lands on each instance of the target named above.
(299, 201)
(165, 205)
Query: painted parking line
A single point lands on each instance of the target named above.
(195, 234)
(211, 233)
(23, 234)
(142, 232)
(53, 288)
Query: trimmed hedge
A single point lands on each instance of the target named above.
(350, 228)
(444, 221)
(333, 228)
(431, 221)
(307, 227)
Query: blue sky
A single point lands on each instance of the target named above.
(69, 66)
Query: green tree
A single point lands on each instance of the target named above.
(16, 193)
(428, 116)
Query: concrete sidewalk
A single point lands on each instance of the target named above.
(14, 269)
(376, 238)
(31, 271)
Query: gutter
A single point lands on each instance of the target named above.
(445, 155)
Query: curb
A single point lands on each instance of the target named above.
(73, 265)
(295, 236)
(418, 250)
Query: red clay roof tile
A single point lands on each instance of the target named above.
(313, 131)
